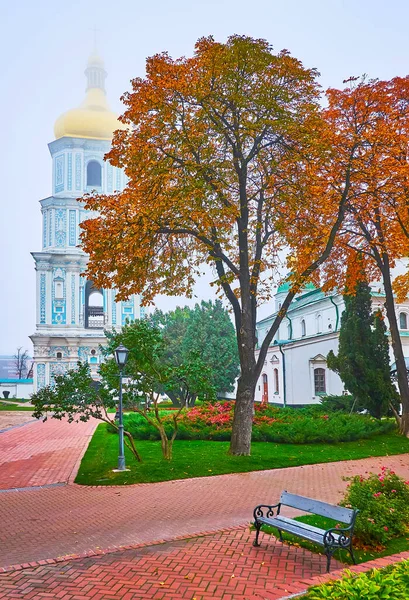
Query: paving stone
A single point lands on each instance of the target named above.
(168, 571)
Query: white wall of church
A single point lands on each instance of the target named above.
(302, 344)
(301, 359)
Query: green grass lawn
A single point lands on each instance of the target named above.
(4, 406)
(22, 400)
(394, 546)
(203, 458)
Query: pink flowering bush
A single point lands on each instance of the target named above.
(383, 502)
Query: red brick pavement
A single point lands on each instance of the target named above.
(42, 453)
(224, 565)
(46, 523)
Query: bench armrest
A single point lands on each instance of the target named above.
(344, 537)
(266, 510)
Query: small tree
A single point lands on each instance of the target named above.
(210, 333)
(363, 358)
(148, 376)
(206, 331)
(20, 362)
(77, 397)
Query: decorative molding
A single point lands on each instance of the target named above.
(72, 299)
(50, 227)
(72, 228)
(40, 375)
(59, 173)
(63, 349)
(60, 227)
(82, 299)
(83, 352)
(55, 370)
(59, 308)
(44, 228)
(128, 310)
(78, 171)
(41, 351)
(42, 298)
(69, 171)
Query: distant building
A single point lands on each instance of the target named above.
(16, 388)
(7, 367)
(295, 371)
(72, 312)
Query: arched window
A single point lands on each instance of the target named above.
(303, 329)
(276, 382)
(319, 381)
(59, 354)
(94, 307)
(265, 388)
(289, 331)
(94, 173)
(319, 324)
(403, 320)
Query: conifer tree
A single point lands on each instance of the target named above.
(363, 357)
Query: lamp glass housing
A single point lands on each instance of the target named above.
(121, 356)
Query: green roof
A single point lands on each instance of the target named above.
(286, 286)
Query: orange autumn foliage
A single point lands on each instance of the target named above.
(374, 116)
(229, 160)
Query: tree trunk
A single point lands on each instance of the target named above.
(167, 446)
(397, 349)
(240, 443)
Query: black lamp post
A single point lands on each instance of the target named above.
(121, 356)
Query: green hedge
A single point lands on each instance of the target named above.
(391, 583)
(295, 426)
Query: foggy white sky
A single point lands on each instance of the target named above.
(45, 44)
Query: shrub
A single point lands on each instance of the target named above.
(391, 583)
(383, 502)
(271, 424)
(344, 403)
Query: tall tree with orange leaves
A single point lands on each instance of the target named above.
(376, 225)
(229, 160)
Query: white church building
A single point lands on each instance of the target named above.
(295, 371)
(71, 312)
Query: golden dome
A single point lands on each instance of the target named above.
(93, 118)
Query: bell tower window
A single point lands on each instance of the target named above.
(94, 174)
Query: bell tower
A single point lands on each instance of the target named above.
(72, 312)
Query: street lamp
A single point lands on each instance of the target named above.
(121, 356)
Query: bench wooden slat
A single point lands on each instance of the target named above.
(306, 534)
(300, 524)
(338, 513)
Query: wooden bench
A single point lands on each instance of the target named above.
(331, 539)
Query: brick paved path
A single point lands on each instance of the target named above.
(44, 523)
(42, 453)
(224, 565)
(52, 522)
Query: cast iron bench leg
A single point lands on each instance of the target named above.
(255, 543)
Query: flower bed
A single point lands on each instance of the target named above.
(270, 424)
(383, 502)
